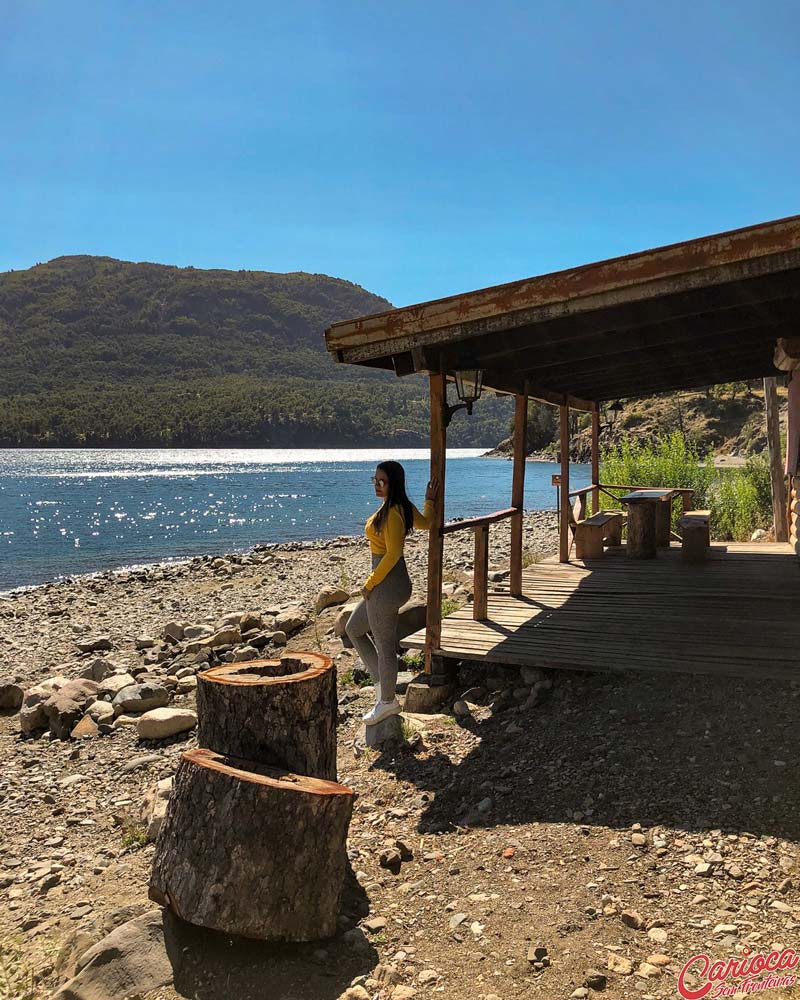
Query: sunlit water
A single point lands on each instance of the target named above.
(70, 511)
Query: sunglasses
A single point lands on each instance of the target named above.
(378, 482)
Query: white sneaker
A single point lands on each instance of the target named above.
(382, 711)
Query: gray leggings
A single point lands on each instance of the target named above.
(378, 615)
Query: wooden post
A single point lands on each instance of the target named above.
(433, 630)
(480, 580)
(563, 540)
(518, 491)
(596, 457)
(775, 464)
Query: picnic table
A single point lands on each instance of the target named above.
(649, 520)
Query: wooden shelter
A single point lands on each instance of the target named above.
(710, 310)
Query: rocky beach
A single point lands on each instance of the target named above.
(547, 834)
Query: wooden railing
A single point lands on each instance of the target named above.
(480, 580)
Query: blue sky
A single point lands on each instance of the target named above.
(419, 149)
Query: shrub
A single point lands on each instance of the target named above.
(740, 500)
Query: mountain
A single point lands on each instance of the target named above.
(98, 352)
(724, 419)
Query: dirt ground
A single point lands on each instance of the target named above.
(614, 828)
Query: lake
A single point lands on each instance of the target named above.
(65, 512)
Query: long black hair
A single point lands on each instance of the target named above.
(396, 476)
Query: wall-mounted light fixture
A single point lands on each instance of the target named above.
(610, 413)
(469, 383)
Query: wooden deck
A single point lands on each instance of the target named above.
(732, 615)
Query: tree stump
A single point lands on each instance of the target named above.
(252, 850)
(277, 712)
(641, 530)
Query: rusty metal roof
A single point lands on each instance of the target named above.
(695, 313)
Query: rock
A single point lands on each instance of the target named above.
(340, 625)
(456, 920)
(173, 632)
(86, 728)
(595, 980)
(159, 723)
(356, 940)
(124, 720)
(290, 621)
(136, 762)
(632, 918)
(390, 858)
(130, 961)
(536, 953)
(250, 620)
(65, 708)
(411, 617)
(140, 698)
(638, 840)
(428, 977)
(101, 711)
(356, 993)
(619, 964)
(648, 971)
(11, 695)
(461, 709)
(154, 807)
(758, 535)
(580, 993)
(99, 669)
(196, 631)
(657, 934)
(144, 642)
(658, 960)
(97, 644)
(113, 684)
(244, 653)
(375, 924)
(403, 993)
(225, 637)
(279, 638)
(32, 716)
(530, 675)
(328, 597)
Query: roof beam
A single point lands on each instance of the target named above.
(569, 373)
(633, 387)
(392, 333)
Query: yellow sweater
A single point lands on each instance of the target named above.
(389, 541)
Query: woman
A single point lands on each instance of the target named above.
(388, 587)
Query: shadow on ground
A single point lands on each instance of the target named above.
(157, 949)
(684, 751)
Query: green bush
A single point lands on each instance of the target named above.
(739, 499)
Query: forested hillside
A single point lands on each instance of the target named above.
(101, 352)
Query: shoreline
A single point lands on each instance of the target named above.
(178, 561)
(42, 624)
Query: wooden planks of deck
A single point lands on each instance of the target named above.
(733, 615)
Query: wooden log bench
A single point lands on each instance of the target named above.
(696, 539)
(591, 532)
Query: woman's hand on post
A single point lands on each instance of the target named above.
(365, 593)
(432, 492)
